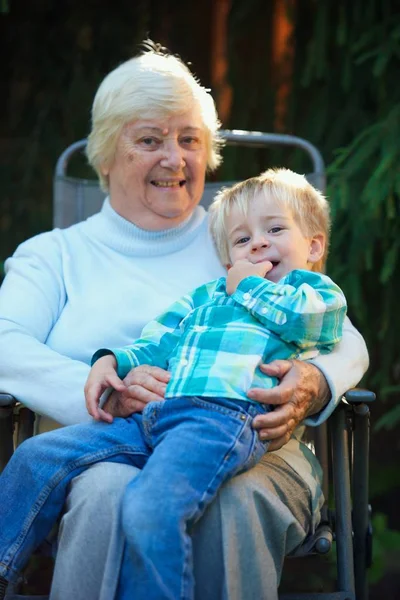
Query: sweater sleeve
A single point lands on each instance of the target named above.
(343, 368)
(160, 336)
(31, 299)
(156, 343)
(304, 308)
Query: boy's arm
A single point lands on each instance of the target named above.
(304, 308)
(159, 337)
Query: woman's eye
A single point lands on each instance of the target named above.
(190, 141)
(149, 142)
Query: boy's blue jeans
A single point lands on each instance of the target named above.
(190, 446)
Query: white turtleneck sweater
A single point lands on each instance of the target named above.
(69, 292)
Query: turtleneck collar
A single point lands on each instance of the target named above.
(125, 237)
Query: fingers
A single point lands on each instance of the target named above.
(277, 396)
(115, 382)
(104, 416)
(282, 416)
(147, 384)
(140, 393)
(93, 391)
(146, 372)
(92, 395)
(266, 266)
(277, 368)
(276, 426)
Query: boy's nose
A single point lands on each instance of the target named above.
(259, 244)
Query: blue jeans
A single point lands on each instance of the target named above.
(190, 446)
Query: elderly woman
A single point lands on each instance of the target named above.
(67, 293)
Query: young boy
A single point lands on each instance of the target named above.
(271, 232)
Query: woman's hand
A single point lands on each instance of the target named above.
(302, 391)
(102, 375)
(143, 384)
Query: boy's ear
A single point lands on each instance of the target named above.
(105, 169)
(317, 248)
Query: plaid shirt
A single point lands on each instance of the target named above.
(213, 343)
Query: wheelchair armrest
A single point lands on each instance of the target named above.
(359, 396)
(6, 400)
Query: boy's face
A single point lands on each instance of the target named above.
(269, 232)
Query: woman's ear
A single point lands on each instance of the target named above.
(317, 248)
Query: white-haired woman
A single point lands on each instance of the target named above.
(67, 293)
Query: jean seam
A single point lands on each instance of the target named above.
(214, 406)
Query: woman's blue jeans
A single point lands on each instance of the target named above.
(189, 447)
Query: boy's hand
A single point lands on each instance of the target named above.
(102, 376)
(242, 269)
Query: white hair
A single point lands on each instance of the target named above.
(151, 85)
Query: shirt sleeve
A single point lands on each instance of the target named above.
(305, 308)
(31, 299)
(158, 338)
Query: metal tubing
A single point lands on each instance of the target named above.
(62, 163)
(254, 139)
(236, 137)
(26, 420)
(318, 596)
(321, 452)
(360, 498)
(6, 435)
(341, 482)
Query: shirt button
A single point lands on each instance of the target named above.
(246, 296)
(264, 310)
(184, 361)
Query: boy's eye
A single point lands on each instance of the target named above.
(242, 240)
(276, 229)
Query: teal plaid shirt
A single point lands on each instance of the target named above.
(213, 343)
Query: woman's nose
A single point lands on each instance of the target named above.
(173, 156)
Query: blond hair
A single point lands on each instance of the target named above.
(308, 206)
(152, 85)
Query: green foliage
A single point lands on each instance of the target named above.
(386, 548)
(350, 68)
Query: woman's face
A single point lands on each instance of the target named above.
(157, 176)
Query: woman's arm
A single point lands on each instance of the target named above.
(342, 369)
(304, 394)
(157, 341)
(32, 297)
